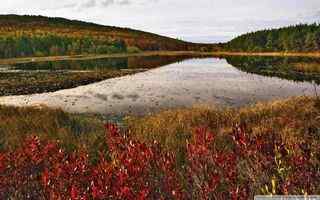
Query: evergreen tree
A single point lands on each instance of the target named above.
(297, 38)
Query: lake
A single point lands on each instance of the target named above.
(175, 82)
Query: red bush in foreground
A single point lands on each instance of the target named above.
(248, 165)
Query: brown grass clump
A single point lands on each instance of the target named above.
(70, 130)
(307, 67)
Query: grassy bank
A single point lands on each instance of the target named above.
(200, 153)
(281, 54)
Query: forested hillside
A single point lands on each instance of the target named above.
(22, 36)
(25, 36)
(299, 38)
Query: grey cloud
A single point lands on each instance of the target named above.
(64, 6)
(310, 16)
(124, 2)
(89, 4)
(107, 3)
(317, 13)
(71, 5)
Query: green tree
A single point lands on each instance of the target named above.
(309, 44)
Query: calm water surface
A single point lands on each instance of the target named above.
(234, 81)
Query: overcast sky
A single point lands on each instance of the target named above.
(192, 20)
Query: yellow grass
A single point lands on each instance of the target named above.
(291, 118)
(307, 67)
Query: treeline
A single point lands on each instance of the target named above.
(54, 45)
(298, 38)
(22, 36)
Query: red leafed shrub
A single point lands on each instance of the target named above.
(251, 164)
(134, 171)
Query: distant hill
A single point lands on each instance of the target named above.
(299, 38)
(22, 36)
(25, 36)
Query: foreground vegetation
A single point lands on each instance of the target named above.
(200, 153)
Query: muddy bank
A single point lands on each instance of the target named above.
(22, 83)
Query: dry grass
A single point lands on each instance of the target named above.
(72, 131)
(307, 67)
(291, 118)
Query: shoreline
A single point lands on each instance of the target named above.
(9, 61)
(176, 86)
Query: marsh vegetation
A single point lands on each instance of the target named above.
(184, 154)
